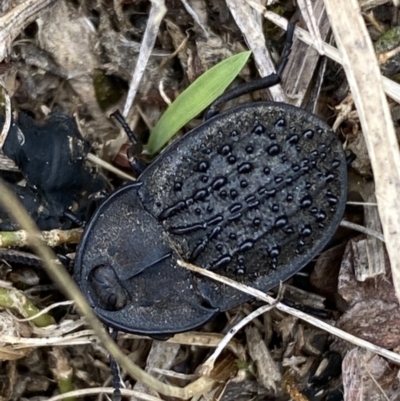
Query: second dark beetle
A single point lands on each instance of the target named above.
(253, 194)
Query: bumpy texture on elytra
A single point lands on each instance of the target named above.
(253, 194)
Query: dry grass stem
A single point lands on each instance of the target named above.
(365, 80)
(252, 29)
(60, 276)
(44, 311)
(109, 167)
(209, 340)
(208, 365)
(307, 12)
(173, 374)
(54, 66)
(16, 300)
(372, 204)
(7, 119)
(12, 23)
(392, 356)
(391, 88)
(103, 390)
(196, 18)
(156, 16)
(7, 164)
(362, 229)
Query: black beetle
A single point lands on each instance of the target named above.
(253, 193)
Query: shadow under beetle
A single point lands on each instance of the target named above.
(253, 193)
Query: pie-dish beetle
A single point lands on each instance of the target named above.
(253, 193)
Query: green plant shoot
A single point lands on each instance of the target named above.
(193, 100)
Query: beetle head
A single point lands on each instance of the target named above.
(106, 288)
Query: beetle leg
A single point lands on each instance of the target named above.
(115, 371)
(136, 147)
(73, 217)
(137, 165)
(262, 83)
(14, 256)
(287, 49)
(240, 90)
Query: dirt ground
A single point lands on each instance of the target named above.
(332, 331)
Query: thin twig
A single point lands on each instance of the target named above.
(52, 238)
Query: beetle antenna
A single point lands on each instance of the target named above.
(120, 118)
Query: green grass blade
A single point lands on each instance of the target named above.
(193, 100)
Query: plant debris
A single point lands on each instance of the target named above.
(66, 65)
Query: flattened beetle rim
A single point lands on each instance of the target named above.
(282, 274)
(88, 229)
